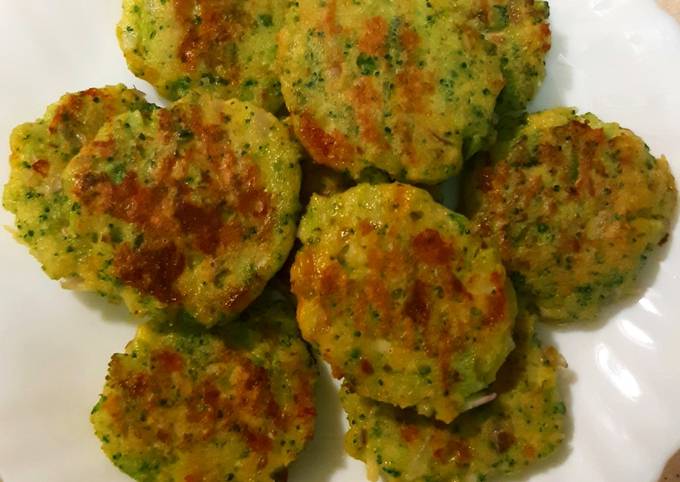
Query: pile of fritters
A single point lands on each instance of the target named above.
(341, 122)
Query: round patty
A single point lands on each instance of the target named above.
(405, 87)
(575, 206)
(227, 46)
(521, 33)
(40, 152)
(401, 300)
(193, 208)
(523, 425)
(233, 404)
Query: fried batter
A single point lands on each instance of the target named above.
(186, 404)
(401, 300)
(575, 206)
(193, 208)
(524, 424)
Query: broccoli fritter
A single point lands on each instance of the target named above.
(194, 207)
(405, 87)
(233, 404)
(40, 151)
(575, 206)
(524, 424)
(401, 300)
(226, 46)
(521, 33)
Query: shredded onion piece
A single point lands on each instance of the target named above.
(483, 400)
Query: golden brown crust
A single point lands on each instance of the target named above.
(407, 88)
(575, 207)
(40, 152)
(402, 301)
(224, 46)
(523, 424)
(186, 404)
(193, 208)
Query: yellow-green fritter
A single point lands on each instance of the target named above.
(520, 31)
(402, 301)
(188, 405)
(405, 87)
(194, 207)
(524, 424)
(575, 206)
(40, 151)
(227, 46)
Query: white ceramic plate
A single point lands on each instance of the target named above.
(617, 58)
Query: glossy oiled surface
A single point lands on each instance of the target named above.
(617, 58)
(404, 87)
(576, 207)
(401, 299)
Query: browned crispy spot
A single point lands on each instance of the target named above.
(167, 361)
(210, 411)
(207, 26)
(365, 227)
(590, 140)
(238, 300)
(332, 150)
(455, 287)
(253, 200)
(485, 179)
(368, 106)
(414, 85)
(203, 222)
(42, 167)
(502, 440)
(136, 385)
(248, 400)
(330, 279)
(409, 433)
(304, 402)
(529, 451)
(409, 39)
(454, 450)
(546, 37)
(128, 201)
(417, 305)
(330, 24)
(379, 299)
(429, 247)
(484, 12)
(152, 270)
(372, 41)
(366, 367)
(497, 300)
(70, 107)
(303, 274)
